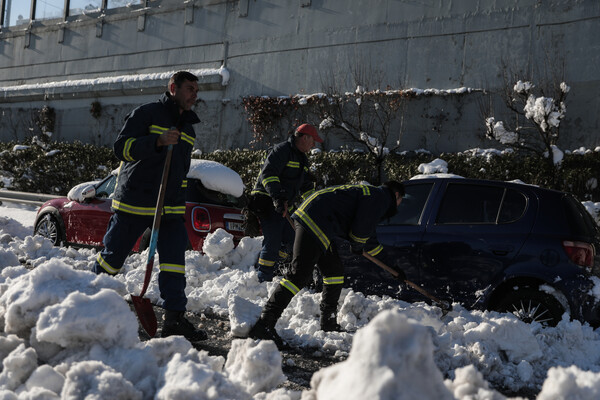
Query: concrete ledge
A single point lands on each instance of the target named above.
(148, 83)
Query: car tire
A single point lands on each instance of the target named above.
(49, 228)
(530, 305)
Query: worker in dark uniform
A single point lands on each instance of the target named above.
(351, 212)
(283, 177)
(142, 148)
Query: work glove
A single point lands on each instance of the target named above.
(357, 248)
(401, 275)
(265, 274)
(280, 205)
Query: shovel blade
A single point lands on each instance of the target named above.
(145, 313)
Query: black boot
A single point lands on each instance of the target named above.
(264, 329)
(329, 321)
(329, 303)
(176, 324)
(265, 326)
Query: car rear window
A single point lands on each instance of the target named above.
(198, 193)
(480, 204)
(579, 219)
(410, 209)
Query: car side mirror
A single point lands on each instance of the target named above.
(88, 192)
(82, 192)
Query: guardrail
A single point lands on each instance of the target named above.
(35, 199)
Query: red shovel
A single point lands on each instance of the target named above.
(142, 305)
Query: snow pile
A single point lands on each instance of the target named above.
(78, 326)
(391, 359)
(68, 333)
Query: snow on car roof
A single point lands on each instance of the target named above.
(216, 176)
(438, 175)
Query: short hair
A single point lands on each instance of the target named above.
(181, 76)
(396, 187)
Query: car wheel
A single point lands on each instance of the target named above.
(49, 227)
(531, 305)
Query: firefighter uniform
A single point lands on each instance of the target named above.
(283, 177)
(351, 212)
(136, 193)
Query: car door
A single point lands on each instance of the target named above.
(471, 237)
(400, 236)
(86, 221)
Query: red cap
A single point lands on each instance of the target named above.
(308, 129)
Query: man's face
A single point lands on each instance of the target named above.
(304, 143)
(185, 95)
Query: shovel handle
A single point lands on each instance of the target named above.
(290, 221)
(162, 190)
(157, 217)
(409, 283)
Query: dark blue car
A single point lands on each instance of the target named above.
(489, 245)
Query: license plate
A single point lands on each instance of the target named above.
(234, 226)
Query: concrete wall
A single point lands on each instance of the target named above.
(287, 47)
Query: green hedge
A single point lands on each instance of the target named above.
(60, 166)
(55, 169)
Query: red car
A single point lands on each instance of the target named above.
(81, 218)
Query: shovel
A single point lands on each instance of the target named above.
(290, 221)
(444, 305)
(142, 305)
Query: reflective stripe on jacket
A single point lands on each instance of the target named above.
(351, 212)
(284, 173)
(142, 163)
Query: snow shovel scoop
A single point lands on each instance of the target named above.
(142, 305)
(444, 305)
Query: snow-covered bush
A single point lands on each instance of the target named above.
(536, 126)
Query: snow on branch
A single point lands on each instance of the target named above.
(537, 120)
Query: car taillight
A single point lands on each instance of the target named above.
(580, 253)
(201, 219)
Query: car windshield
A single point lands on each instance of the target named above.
(411, 207)
(106, 187)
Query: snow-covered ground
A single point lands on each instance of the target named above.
(67, 333)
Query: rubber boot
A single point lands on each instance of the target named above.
(329, 303)
(265, 326)
(329, 321)
(176, 324)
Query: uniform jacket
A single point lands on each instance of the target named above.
(284, 174)
(351, 212)
(142, 162)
